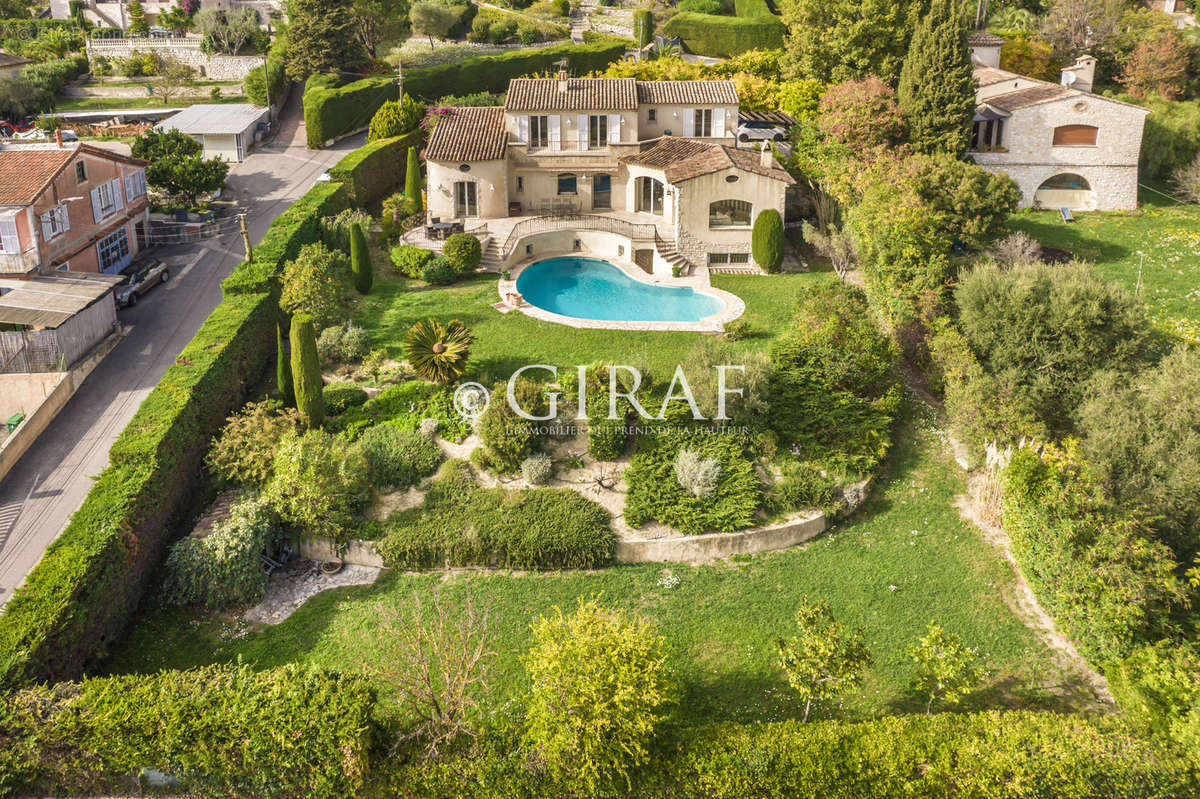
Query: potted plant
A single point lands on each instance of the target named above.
(505, 274)
(676, 270)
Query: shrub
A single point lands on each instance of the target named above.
(317, 486)
(409, 260)
(461, 524)
(88, 738)
(537, 469)
(360, 260)
(696, 474)
(306, 371)
(395, 118)
(373, 171)
(346, 343)
(407, 405)
(655, 493)
(946, 667)
(438, 272)
(463, 252)
(509, 439)
(428, 427)
(314, 284)
(822, 661)
(598, 689)
(738, 329)
(528, 34)
(224, 568)
(833, 393)
(754, 28)
(332, 110)
(766, 240)
(340, 397)
(412, 182)
(244, 451)
(1186, 180)
(396, 457)
(1159, 687)
(335, 230)
(1107, 585)
(803, 485)
(438, 352)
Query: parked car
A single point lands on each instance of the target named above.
(140, 278)
(760, 131)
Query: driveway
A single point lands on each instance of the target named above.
(49, 483)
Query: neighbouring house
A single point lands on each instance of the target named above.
(225, 130)
(11, 65)
(69, 206)
(652, 163)
(1064, 146)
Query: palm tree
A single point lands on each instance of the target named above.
(438, 353)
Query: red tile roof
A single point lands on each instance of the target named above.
(684, 159)
(25, 173)
(469, 134)
(578, 94)
(689, 92)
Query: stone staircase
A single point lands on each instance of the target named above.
(674, 258)
(491, 256)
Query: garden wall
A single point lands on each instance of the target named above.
(213, 67)
(713, 546)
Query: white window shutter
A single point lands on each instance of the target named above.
(9, 241)
(581, 121)
(555, 132)
(47, 228)
(718, 128)
(523, 128)
(689, 121)
(64, 218)
(118, 195)
(130, 187)
(614, 128)
(97, 214)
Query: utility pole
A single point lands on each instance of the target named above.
(245, 238)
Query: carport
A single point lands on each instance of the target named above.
(49, 322)
(227, 130)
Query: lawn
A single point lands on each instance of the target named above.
(125, 103)
(905, 560)
(1158, 244)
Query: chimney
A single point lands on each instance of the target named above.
(1081, 74)
(58, 136)
(766, 157)
(562, 81)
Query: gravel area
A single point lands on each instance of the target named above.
(291, 587)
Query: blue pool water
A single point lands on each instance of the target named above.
(588, 288)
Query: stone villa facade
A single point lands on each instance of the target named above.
(650, 169)
(1064, 146)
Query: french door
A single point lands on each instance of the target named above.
(465, 200)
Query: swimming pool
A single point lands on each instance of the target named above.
(588, 288)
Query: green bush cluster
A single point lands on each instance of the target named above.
(318, 485)
(656, 495)
(347, 343)
(220, 730)
(405, 405)
(438, 272)
(753, 28)
(464, 525)
(340, 397)
(243, 453)
(396, 456)
(507, 438)
(491, 73)
(333, 108)
(410, 261)
(375, 170)
(254, 85)
(463, 252)
(335, 230)
(1159, 687)
(803, 485)
(223, 569)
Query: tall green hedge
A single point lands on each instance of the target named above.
(754, 28)
(491, 73)
(220, 730)
(375, 170)
(333, 109)
(82, 593)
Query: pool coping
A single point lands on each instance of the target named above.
(713, 323)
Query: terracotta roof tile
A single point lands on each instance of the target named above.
(24, 173)
(684, 159)
(1034, 95)
(989, 76)
(469, 134)
(580, 94)
(699, 92)
(985, 39)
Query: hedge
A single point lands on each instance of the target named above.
(491, 73)
(332, 109)
(83, 592)
(990, 755)
(219, 730)
(375, 170)
(298, 225)
(754, 28)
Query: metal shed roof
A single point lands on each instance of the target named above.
(210, 118)
(50, 300)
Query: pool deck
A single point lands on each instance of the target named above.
(698, 281)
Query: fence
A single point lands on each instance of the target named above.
(572, 221)
(57, 349)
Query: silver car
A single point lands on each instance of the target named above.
(760, 131)
(139, 279)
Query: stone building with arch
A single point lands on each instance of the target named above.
(1063, 145)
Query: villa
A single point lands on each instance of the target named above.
(644, 172)
(1064, 146)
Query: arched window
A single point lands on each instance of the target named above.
(1065, 181)
(729, 213)
(1075, 136)
(649, 196)
(567, 183)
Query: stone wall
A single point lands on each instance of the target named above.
(714, 546)
(213, 67)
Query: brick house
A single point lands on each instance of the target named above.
(69, 206)
(1064, 146)
(654, 162)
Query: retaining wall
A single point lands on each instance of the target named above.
(215, 67)
(714, 546)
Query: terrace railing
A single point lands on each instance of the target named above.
(577, 221)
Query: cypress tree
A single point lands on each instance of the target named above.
(937, 85)
(360, 259)
(766, 240)
(643, 26)
(283, 368)
(306, 371)
(412, 181)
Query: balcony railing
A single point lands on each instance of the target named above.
(576, 221)
(18, 263)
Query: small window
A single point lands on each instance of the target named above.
(529, 249)
(1075, 136)
(464, 167)
(731, 178)
(718, 258)
(567, 183)
(80, 172)
(652, 115)
(739, 257)
(729, 213)
(520, 183)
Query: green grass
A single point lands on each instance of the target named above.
(907, 560)
(1160, 242)
(504, 342)
(115, 103)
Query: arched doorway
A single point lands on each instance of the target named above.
(1065, 190)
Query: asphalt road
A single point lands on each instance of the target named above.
(50, 482)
